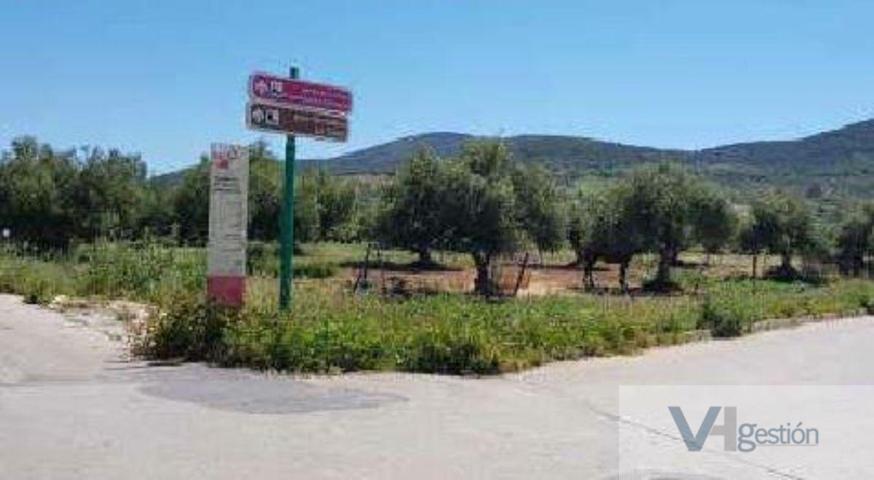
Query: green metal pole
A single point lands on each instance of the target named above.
(286, 222)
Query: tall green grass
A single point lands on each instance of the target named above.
(729, 308)
(38, 280)
(145, 271)
(332, 330)
(136, 271)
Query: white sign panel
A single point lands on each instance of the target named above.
(228, 221)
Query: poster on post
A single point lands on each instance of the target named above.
(228, 221)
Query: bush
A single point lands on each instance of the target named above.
(189, 328)
(726, 317)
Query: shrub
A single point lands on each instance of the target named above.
(726, 317)
(189, 328)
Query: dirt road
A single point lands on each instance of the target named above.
(73, 406)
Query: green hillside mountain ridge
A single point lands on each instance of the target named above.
(847, 152)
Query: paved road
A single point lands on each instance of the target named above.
(73, 406)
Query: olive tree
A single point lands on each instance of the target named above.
(660, 205)
(412, 214)
(480, 209)
(668, 209)
(599, 230)
(713, 222)
(480, 203)
(540, 207)
(751, 240)
(784, 227)
(854, 239)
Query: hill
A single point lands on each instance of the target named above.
(838, 163)
(562, 154)
(835, 162)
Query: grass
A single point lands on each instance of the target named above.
(142, 271)
(37, 280)
(332, 330)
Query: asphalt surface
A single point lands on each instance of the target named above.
(73, 405)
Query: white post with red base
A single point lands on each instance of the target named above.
(228, 222)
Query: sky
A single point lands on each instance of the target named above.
(167, 78)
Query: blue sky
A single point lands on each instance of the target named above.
(167, 78)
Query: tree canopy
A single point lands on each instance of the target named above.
(480, 202)
(48, 198)
(782, 225)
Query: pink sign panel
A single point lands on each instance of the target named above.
(286, 91)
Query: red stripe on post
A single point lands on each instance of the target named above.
(226, 290)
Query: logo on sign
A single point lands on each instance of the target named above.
(745, 437)
(260, 87)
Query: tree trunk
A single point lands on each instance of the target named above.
(588, 275)
(580, 258)
(675, 256)
(623, 276)
(483, 282)
(755, 264)
(425, 257)
(521, 275)
(663, 274)
(786, 262)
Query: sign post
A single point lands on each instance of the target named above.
(286, 221)
(228, 221)
(295, 107)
